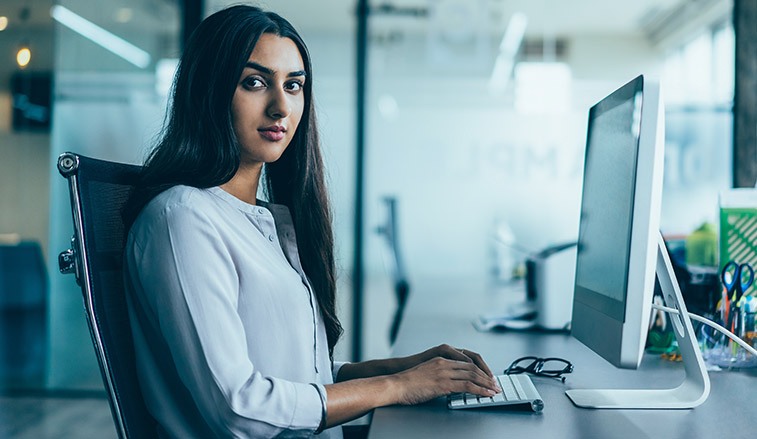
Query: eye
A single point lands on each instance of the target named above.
(294, 86)
(253, 82)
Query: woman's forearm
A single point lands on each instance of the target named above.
(351, 399)
(362, 387)
(374, 368)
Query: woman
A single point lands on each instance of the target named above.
(231, 298)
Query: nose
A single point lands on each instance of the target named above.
(278, 104)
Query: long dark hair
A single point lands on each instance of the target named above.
(198, 146)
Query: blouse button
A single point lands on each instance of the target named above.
(271, 238)
(260, 210)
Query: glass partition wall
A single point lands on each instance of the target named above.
(26, 54)
(477, 116)
(114, 61)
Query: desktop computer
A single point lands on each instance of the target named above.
(620, 250)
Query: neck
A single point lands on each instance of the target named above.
(244, 184)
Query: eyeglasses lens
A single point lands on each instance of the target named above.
(521, 365)
(554, 366)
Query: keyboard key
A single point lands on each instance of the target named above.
(519, 388)
(508, 389)
(457, 402)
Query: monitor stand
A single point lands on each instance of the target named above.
(696, 384)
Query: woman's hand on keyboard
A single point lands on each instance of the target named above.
(442, 376)
(452, 353)
(435, 372)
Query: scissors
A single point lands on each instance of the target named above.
(736, 279)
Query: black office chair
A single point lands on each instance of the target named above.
(99, 190)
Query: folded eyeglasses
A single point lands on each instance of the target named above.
(545, 367)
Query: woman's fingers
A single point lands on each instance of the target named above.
(453, 353)
(467, 356)
(469, 387)
(467, 372)
(478, 361)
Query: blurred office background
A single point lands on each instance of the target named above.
(475, 123)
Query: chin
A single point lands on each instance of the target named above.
(267, 157)
(272, 158)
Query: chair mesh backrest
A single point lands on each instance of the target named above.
(104, 188)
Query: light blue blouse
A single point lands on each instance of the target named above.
(227, 332)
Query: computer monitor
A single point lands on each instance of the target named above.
(620, 249)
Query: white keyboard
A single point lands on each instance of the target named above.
(516, 390)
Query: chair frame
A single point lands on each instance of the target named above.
(76, 260)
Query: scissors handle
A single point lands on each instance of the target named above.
(731, 268)
(745, 284)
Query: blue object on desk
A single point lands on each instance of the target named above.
(741, 278)
(739, 282)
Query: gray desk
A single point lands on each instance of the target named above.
(442, 314)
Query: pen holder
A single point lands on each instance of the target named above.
(721, 351)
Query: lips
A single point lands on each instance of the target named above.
(273, 133)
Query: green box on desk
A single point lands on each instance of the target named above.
(738, 227)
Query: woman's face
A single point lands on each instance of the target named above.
(269, 100)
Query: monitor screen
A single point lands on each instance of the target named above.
(607, 206)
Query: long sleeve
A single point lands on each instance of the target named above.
(336, 367)
(188, 284)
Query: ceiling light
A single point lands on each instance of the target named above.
(100, 36)
(23, 57)
(3, 22)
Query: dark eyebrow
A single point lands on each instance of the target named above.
(268, 71)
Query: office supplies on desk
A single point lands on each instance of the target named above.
(737, 314)
(722, 351)
(736, 280)
(517, 390)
